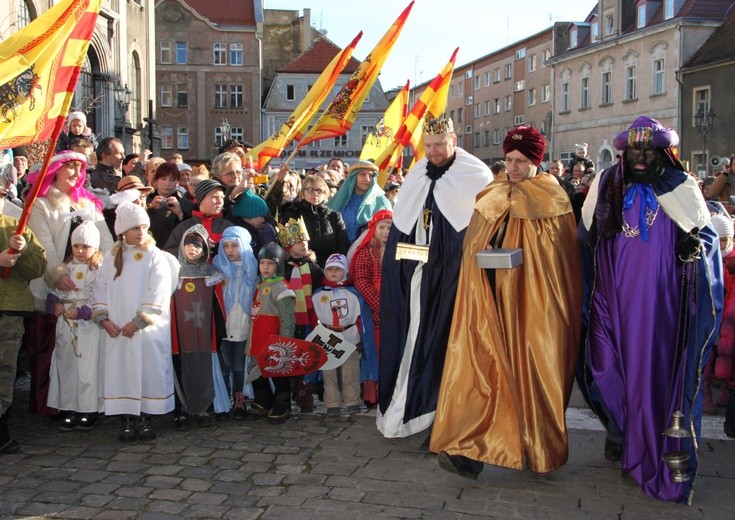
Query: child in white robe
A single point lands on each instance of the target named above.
(74, 374)
(132, 298)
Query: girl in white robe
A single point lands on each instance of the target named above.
(132, 298)
(74, 374)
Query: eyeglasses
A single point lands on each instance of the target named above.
(318, 191)
(232, 173)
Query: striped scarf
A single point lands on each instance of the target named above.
(300, 283)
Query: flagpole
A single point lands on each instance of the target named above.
(288, 161)
(31, 197)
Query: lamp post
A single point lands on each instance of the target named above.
(224, 127)
(704, 121)
(122, 98)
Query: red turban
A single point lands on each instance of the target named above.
(528, 141)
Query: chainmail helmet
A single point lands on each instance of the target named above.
(274, 252)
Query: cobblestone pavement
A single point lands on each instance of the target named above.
(314, 467)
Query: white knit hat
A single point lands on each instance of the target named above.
(337, 260)
(723, 225)
(86, 233)
(129, 215)
(74, 116)
(581, 147)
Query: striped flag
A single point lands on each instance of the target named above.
(341, 113)
(431, 104)
(299, 121)
(387, 126)
(39, 68)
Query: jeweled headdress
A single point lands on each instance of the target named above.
(439, 126)
(294, 231)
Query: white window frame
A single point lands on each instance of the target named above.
(659, 77)
(508, 103)
(546, 93)
(182, 138)
(164, 51)
(182, 47)
(237, 96)
(640, 15)
(584, 92)
(496, 135)
(606, 97)
(237, 54)
(564, 96)
(167, 95)
(508, 71)
(341, 141)
(219, 54)
(220, 96)
(531, 59)
(631, 82)
(531, 97)
(167, 137)
(182, 89)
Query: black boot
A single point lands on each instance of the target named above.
(145, 429)
(7, 444)
(460, 465)
(128, 431)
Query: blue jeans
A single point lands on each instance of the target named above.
(234, 354)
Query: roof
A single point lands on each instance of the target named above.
(233, 13)
(317, 57)
(719, 46)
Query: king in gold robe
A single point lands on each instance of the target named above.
(515, 333)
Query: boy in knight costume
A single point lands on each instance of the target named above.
(303, 274)
(193, 338)
(273, 312)
(653, 302)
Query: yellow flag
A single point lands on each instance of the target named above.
(39, 68)
(424, 108)
(387, 127)
(341, 113)
(299, 121)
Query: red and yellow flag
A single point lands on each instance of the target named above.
(299, 121)
(341, 113)
(387, 126)
(39, 68)
(431, 104)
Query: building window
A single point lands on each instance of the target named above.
(365, 132)
(573, 37)
(290, 93)
(165, 52)
(546, 56)
(531, 97)
(220, 96)
(531, 63)
(565, 96)
(167, 137)
(486, 76)
(701, 102)
(468, 100)
(236, 54)
(340, 141)
(167, 95)
(459, 89)
(468, 129)
(595, 30)
(451, 115)
(218, 137)
(496, 75)
(546, 93)
(219, 51)
(606, 88)
(519, 120)
(476, 140)
(496, 136)
(451, 91)
(236, 132)
(521, 53)
(181, 53)
(487, 107)
(468, 74)
(659, 74)
(182, 95)
(668, 9)
(641, 16)
(631, 82)
(496, 106)
(477, 110)
(478, 82)
(182, 138)
(519, 85)
(508, 103)
(585, 93)
(609, 25)
(486, 138)
(459, 115)
(236, 96)
(508, 71)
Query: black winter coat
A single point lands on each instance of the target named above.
(327, 231)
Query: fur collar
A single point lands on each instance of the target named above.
(148, 244)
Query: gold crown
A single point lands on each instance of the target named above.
(294, 231)
(439, 126)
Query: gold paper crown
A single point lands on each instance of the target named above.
(439, 126)
(294, 231)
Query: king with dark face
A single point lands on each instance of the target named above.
(644, 164)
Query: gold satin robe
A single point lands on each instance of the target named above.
(511, 356)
